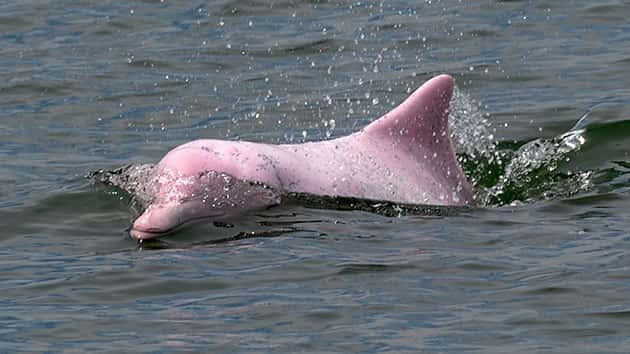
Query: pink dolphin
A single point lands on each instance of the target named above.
(405, 156)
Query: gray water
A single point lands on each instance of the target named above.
(94, 85)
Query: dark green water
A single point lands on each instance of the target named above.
(543, 268)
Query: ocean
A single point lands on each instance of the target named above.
(540, 123)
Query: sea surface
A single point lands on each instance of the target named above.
(541, 122)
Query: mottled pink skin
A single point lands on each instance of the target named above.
(405, 156)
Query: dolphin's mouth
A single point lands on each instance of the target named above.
(160, 224)
(139, 233)
(145, 234)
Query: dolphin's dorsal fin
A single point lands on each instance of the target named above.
(422, 119)
(419, 126)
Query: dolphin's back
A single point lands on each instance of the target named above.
(405, 156)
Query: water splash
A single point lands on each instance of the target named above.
(469, 126)
(134, 179)
(537, 170)
(472, 135)
(534, 173)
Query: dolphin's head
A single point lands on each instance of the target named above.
(182, 200)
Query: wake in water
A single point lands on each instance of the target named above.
(537, 170)
(534, 172)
